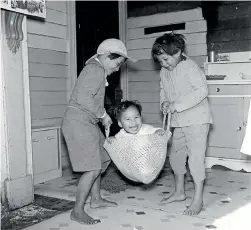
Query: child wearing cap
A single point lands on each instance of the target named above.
(82, 135)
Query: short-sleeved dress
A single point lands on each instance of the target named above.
(83, 137)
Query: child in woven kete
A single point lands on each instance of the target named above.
(128, 115)
(183, 92)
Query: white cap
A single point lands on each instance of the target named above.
(112, 45)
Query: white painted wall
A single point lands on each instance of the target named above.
(44, 82)
(52, 67)
(48, 65)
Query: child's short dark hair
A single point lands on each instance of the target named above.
(168, 43)
(122, 106)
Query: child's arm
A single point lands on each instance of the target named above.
(110, 139)
(89, 88)
(162, 92)
(160, 132)
(199, 91)
(150, 129)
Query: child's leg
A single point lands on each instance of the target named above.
(177, 158)
(197, 203)
(84, 186)
(197, 143)
(96, 200)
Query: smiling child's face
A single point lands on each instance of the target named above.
(131, 120)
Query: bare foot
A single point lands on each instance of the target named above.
(82, 218)
(102, 203)
(194, 208)
(173, 198)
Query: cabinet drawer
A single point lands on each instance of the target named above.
(45, 151)
(229, 89)
(225, 153)
(44, 135)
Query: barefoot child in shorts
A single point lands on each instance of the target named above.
(183, 92)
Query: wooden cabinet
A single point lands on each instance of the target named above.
(229, 113)
(246, 109)
(229, 100)
(46, 154)
(226, 130)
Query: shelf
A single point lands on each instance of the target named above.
(226, 62)
(229, 82)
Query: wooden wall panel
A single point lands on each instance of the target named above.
(234, 9)
(51, 29)
(231, 32)
(145, 97)
(165, 18)
(143, 43)
(48, 98)
(47, 84)
(143, 76)
(48, 64)
(191, 27)
(57, 17)
(47, 57)
(47, 43)
(192, 51)
(60, 6)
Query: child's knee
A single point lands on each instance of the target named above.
(105, 165)
(197, 170)
(95, 173)
(178, 164)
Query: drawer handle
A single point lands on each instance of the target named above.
(239, 129)
(50, 138)
(35, 140)
(217, 89)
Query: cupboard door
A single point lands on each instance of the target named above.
(229, 89)
(45, 151)
(226, 131)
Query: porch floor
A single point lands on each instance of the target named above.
(227, 204)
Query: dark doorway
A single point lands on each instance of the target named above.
(95, 22)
